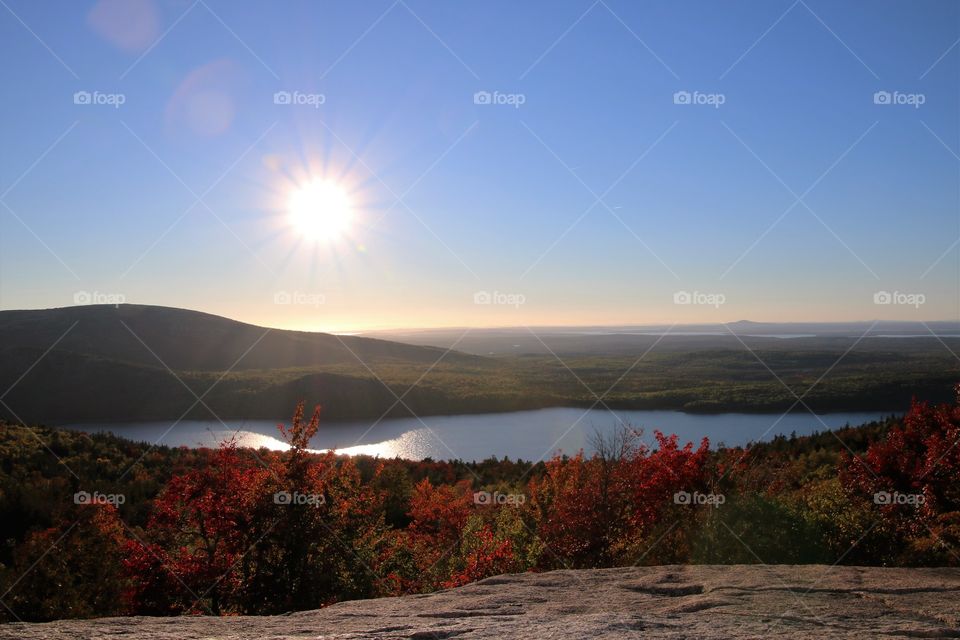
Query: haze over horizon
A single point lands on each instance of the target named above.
(603, 164)
(871, 326)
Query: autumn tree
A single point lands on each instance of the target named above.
(317, 532)
(913, 479)
(594, 512)
(70, 570)
(197, 536)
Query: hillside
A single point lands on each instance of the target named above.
(108, 362)
(191, 340)
(739, 601)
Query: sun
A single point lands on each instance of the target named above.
(321, 210)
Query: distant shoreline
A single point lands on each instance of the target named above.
(895, 412)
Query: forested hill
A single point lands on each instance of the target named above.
(192, 340)
(131, 362)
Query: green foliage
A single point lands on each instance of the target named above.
(754, 529)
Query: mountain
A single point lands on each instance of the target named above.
(137, 362)
(191, 340)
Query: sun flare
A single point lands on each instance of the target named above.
(321, 210)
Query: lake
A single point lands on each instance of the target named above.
(530, 435)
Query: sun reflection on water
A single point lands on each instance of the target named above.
(249, 439)
(412, 445)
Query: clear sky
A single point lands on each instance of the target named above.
(584, 189)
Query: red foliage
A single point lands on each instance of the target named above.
(588, 508)
(421, 558)
(440, 513)
(920, 457)
(488, 557)
(653, 479)
(263, 533)
(199, 528)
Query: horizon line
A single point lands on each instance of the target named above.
(510, 327)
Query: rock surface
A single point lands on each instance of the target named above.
(649, 602)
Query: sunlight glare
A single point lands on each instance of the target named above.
(321, 210)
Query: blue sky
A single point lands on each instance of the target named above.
(797, 198)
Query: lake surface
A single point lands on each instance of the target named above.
(530, 435)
